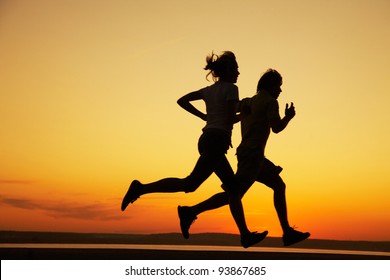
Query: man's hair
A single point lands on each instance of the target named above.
(269, 79)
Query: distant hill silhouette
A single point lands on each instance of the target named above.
(214, 239)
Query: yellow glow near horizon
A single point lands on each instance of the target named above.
(88, 103)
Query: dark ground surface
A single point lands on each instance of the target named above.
(214, 239)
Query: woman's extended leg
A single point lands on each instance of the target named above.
(204, 167)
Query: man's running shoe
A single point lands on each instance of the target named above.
(293, 236)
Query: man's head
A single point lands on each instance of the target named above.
(271, 81)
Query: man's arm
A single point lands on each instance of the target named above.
(279, 125)
(185, 103)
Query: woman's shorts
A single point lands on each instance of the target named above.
(214, 141)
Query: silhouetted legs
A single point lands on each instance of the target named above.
(212, 145)
(268, 174)
(206, 165)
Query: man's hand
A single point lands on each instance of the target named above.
(280, 125)
(290, 111)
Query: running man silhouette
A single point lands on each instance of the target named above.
(221, 100)
(259, 114)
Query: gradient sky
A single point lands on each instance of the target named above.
(88, 94)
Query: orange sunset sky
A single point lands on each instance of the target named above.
(88, 94)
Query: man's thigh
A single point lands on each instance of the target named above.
(269, 173)
(248, 168)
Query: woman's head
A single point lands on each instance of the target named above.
(223, 67)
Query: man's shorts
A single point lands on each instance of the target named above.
(253, 166)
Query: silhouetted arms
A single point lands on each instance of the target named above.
(185, 103)
(279, 125)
